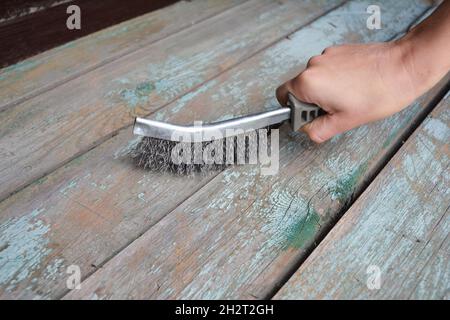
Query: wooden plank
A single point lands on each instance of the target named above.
(238, 235)
(400, 225)
(101, 201)
(51, 68)
(45, 132)
(46, 27)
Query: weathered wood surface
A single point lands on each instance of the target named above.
(400, 224)
(45, 132)
(98, 203)
(51, 68)
(238, 235)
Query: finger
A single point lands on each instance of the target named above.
(313, 61)
(282, 94)
(331, 50)
(288, 87)
(323, 128)
(299, 86)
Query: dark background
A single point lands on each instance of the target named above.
(24, 33)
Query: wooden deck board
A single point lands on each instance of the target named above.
(47, 70)
(94, 206)
(42, 133)
(239, 234)
(400, 224)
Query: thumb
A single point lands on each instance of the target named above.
(323, 128)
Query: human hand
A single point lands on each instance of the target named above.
(354, 84)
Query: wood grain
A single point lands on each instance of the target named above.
(98, 203)
(400, 225)
(49, 69)
(45, 132)
(239, 235)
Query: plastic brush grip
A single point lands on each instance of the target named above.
(302, 112)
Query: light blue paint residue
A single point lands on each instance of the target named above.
(53, 269)
(437, 129)
(125, 151)
(72, 184)
(230, 175)
(23, 247)
(112, 32)
(18, 68)
(141, 196)
(175, 74)
(191, 95)
(139, 95)
(123, 81)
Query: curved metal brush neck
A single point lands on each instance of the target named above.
(210, 131)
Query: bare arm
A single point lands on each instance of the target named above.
(357, 84)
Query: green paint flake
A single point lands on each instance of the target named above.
(138, 95)
(303, 230)
(145, 88)
(344, 188)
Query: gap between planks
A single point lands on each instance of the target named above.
(131, 48)
(365, 184)
(428, 109)
(103, 156)
(28, 173)
(400, 179)
(148, 243)
(169, 217)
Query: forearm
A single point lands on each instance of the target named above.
(427, 49)
(357, 84)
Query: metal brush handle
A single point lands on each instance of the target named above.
(298, 113)
(302, 112)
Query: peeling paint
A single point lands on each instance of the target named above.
(291, 221)
(53, 270)
(183, 101)
(141, 196)
(72, 184)
(230, 175)
(125, 151)
(18, 68)
(437, 129)
(25, 247)
(344, 187)
(137, 96)
(303, 230)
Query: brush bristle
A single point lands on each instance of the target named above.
(156, 155)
